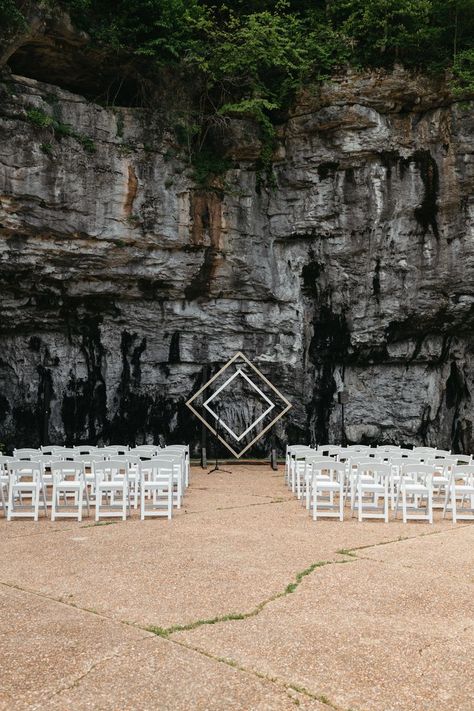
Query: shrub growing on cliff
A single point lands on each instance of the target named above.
(248, 58)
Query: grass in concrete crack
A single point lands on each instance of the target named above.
(290, 588)
(346, 551)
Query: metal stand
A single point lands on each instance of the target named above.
(216, 467)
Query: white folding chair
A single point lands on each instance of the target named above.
(69, 482)
(178, 474)
(353, 464)
(292, 452)
(396, 464)
(156, 488)
(310, 465)
(184, 449)
(26, 481)
(372, 482)
(328, 478)
(111, 482)
(416, 487)
(88, 461)
(461, 490)
(133, 464)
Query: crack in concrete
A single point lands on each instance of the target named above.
(77, 681)
(288, 590)
(260, 675)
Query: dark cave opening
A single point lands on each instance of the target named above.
(98, 76)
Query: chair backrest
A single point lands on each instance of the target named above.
(144, 452)
(357, 461)
(463, 458)
(401, 461)
(52, 449)
(67, 470)
(419, 471)
(67, 453)
(441, 452)
(116, 449)
(442, 463)
(377, 469)
(86, 449)
(29, 470)
(110, 470)
(329, 465)
(26, 453)
(156, 469)
(464, 472)
(5, 460)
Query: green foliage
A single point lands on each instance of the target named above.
(11, 18)
(248, 58)
(464, 72)
(46, 148)
(207, 165)
(42, 120)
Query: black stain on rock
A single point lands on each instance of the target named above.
(327, 169)
(328, 348)
(174, 353)
(310, 275)
(201, 283)
(376, 279)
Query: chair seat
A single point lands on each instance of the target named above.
(373, 488)
(327, 485)
(416, 488)
(65, 484)
(26, 486)
(107, 485)
(464, 489)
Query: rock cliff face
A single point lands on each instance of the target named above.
(120, 279)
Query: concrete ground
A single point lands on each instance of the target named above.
(240, 602)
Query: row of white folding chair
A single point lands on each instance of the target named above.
(68, 478)
(111, 478)
(373, 478)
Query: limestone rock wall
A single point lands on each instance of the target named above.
(120, 279)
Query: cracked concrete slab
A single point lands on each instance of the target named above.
(370, 633)
(364, 634)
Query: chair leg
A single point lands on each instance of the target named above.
(385, 503)
(359, 501)
(341, 503)
(36, 502)
(98, 501)
(430, 505)
(54, 495)
(454, 504)
(170, 498)
(404, 505)
(79, 505)
(10, 502)
(142, 502)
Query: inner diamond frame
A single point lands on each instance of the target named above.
(286, 402)
(222, 387)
